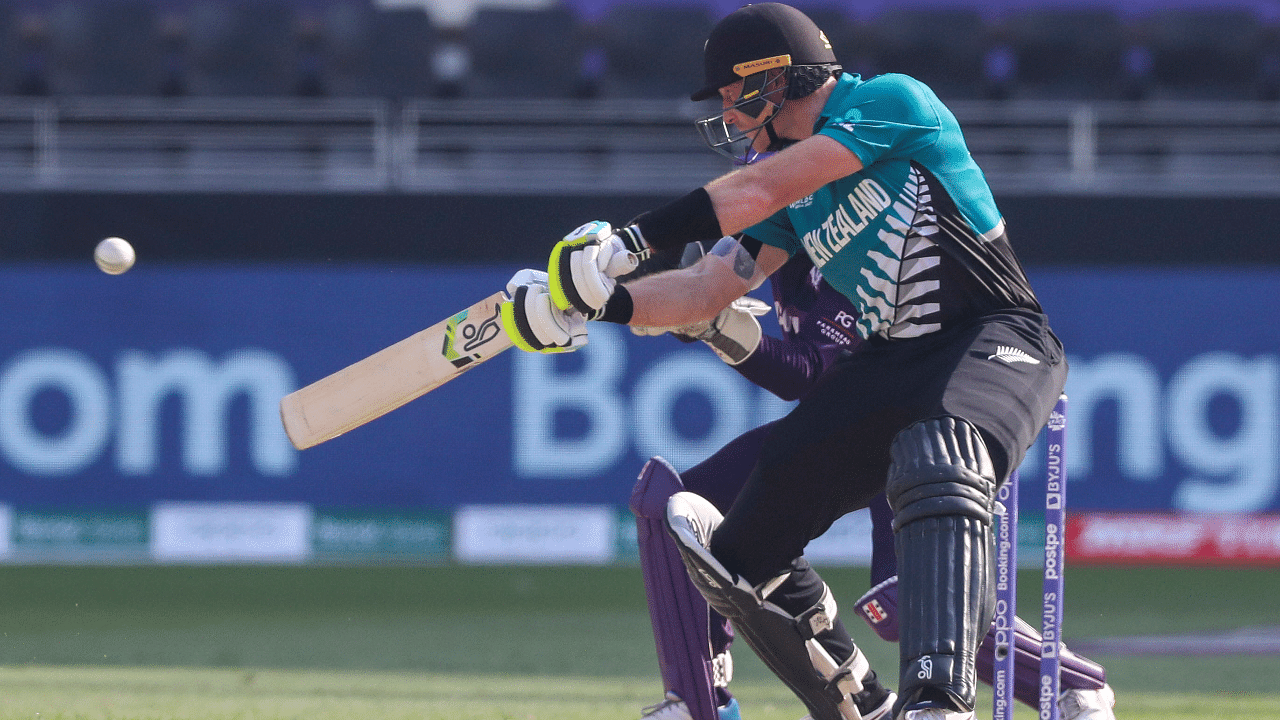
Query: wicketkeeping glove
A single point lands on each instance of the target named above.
(733, 334)
(533, 323)
(582, 268)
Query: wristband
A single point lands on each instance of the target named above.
(619, 308)
(686, 219)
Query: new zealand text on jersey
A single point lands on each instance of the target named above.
(848, 219)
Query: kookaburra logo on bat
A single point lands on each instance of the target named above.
(472, 335)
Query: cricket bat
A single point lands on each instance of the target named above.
(393, 376)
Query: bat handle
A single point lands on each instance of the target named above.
(621, 264)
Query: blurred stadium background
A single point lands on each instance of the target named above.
(307, 181)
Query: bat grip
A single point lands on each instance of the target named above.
(621, 264)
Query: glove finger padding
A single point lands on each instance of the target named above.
(535, 325)
(752, 305)
(526, 276)
(577, 270)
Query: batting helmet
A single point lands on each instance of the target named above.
(761, 37)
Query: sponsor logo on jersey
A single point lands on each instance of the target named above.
(832, 333)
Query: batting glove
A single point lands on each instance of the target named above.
(583, 265)
(634, 242)
(533, 323)
(734, 334)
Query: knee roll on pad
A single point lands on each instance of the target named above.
(657, 482)
(940, 466)
(786, 643)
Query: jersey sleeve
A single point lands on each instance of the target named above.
(786, 368)
(891, 116)
(776, 231)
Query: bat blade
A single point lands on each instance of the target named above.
(391, 377)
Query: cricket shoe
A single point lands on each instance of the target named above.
(673, 708)
(1077, 704)
(937, 714)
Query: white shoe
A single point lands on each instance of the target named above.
(1087, 704)
(673, 708)
(937, 714)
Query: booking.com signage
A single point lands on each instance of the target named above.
(162, 385)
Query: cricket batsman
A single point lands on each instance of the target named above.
(957, 372)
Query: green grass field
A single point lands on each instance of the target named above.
(465, 643)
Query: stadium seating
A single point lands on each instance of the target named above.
(944, 47)
(524, 53)
(8, 50)
(1209, 53)
(654, 50)
(240, 48)
(114, 50)
(24, 54)
(619, 48)
(400, 53)
(1066, 52)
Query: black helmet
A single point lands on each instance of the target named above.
(761, 37)
(748, 45)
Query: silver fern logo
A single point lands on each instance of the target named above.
(1012, 355)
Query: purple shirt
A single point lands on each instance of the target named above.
(817, 327)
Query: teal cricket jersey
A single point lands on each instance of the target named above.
(913, 239)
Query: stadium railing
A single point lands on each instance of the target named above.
(564, 146)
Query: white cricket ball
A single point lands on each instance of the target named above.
(114, 255)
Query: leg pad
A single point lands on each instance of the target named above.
(942, 485)
(788, 644)
(690, 666)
